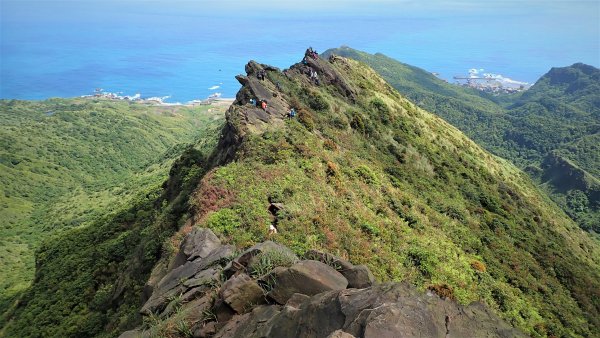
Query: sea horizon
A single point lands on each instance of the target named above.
(186, 51)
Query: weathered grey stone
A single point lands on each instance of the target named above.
(359, 277)
(222, 311)
(329, 259)
(198, 243)
(204, 277)
(402, 321)
(177, 276)
(194, 307)
(384, 310)
(158, 301)
(308, 278)
(202, 241)
(170, 285)
(296, 300)
(194, 293)
(218, 256)
(241, 292)
(245, 259)
(340, 334)
(258, 323)
(204, 330)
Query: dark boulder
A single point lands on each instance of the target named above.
(220, 255)
(241, 292)
(329, 259)
(197, 244)
(305, 277)
(359, 277)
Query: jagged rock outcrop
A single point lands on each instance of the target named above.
(261, 83)
(324, 296)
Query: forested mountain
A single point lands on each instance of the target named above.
(552, 129)
(360, 172)
(66, 162)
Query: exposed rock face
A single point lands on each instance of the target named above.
(241, 292)
(252, 115)
(358, 276)
(191, 273)
(385, 310)
(197, 244)
(323, 296)
(305, 277)
(261, 83)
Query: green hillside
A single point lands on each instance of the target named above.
(360, 172)
(558, 116)
(65, 162)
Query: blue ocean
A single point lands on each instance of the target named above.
(189, 50)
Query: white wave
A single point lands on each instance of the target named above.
(214, 87)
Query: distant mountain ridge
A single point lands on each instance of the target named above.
(558, 116)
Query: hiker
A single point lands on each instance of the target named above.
(278, 86)
(304, 62)
(314, 76)
(253, 102)
(292, 113)
(263, 105)
(272, 230)
(261, 74)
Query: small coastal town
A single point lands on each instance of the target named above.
(101, 93)
(490, 83)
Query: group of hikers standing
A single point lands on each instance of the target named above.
(311, 53)
(261, 74)
(264, 104)
(259, 103)
(313, 76)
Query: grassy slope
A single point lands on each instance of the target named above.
(387, 184)
(559, 114)
(378, 181)
(65, 162)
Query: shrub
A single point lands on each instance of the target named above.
(478, 266)
(266, 261)
(369, 229)
(332, 169)
(329, 145)
(306, 119)
(443, 290)
(317, 102)
(367, 175)
(382, 110)
(424, 260)
(224, 221)
(357, 122)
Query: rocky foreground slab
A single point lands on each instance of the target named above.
(209, 290)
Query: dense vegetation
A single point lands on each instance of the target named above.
(66, 162)
(371, 178)
(381, 182)
(557, 117)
